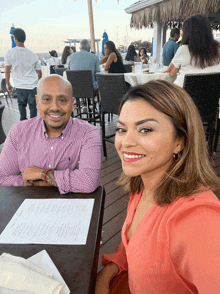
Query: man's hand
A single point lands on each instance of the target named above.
(31, 174)
(40, 183)
(9, 87)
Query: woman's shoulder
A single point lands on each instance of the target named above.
(200, 203)
(112, 55)
(183, 49)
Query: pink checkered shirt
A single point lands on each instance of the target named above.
(75, 154)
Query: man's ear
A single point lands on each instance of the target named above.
(73, 104)
(37, 102)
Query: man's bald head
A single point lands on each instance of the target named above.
(57, 79)
(55, 103)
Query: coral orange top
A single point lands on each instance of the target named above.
(175, 249)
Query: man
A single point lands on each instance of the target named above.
(83, 59)
(170, 47)
(53, 148)
(26, 71)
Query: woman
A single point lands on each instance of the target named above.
(65, 55)
(132, 54)
(143, 55)
(199, 52)
(53, 61)
(72, 49)
(171, 236)
(112, 59)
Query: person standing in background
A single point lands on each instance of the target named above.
(26, 71)
(171, 46)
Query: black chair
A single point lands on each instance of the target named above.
(81, 81)
(111, 87)
(52, 69)
(60, 71)
(205, 92)
(5, 91)
(2, 133)
(128, 67)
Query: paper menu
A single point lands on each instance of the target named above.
(50, 221)
(43, 261)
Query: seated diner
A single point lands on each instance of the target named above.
(112, 59)
(52, 149)
(198, 53)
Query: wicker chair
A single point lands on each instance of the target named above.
(81, 81)
(59, 71)
(205, 92)
(5, 91)
(112, 87)
(2, 133)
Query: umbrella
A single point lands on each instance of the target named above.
(12, 37)
(105, 39)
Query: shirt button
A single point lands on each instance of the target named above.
(61, 137)
(49, 165)
(51, 148)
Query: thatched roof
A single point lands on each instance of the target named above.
(172, 10)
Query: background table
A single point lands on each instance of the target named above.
(76, 263)
(142, 78)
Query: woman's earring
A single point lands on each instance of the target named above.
(176, 156)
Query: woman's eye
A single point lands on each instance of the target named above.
(145, 130)
(120, 130)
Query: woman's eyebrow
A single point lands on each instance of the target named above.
(140, 122)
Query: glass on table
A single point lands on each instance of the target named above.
(138, 67)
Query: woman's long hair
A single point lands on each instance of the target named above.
(131, 54)
(66, 53)
(203, 48)
(192, 172)
(112, 48)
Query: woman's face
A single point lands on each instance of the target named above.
(106, 50)
(142, 53)
(71, 51)
(145, 140)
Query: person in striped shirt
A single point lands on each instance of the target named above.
(52, 149)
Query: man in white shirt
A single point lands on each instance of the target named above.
(26, 71)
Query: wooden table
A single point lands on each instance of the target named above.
(76, 263)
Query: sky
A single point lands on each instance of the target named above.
(48, 23)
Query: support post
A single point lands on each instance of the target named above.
(157, 46)
(91, 23)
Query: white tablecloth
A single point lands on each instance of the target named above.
(142, 78)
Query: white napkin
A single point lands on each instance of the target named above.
(17, 273)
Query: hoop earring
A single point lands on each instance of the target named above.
(176, 156)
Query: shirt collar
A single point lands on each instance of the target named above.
(62, 134)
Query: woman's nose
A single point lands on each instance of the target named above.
(129, 140)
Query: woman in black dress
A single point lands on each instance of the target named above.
(112, 59)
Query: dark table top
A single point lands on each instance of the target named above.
(77, 264)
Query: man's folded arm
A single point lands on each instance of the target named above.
(9, 168)
(86, 178)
